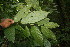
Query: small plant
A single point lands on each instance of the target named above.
(32, 27)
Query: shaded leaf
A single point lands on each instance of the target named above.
(26, 32)
(48, 33)
(47, 43)
(34, 4)
(19, 6)
(10, 33)
(37, 35)
(18, 27)
(51, 0)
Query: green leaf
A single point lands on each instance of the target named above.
(33, 3)
(34, 16)
(22, 31)
(47, 43)
(51, 0)
(30, 1)
(51, 25)
(26, 32)
(37, 35)
(21, 14)
(18, 27)
(19, 6)
(44, 21)
(48, 33)
(10, 33)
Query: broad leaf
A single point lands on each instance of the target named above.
(26, 32)
(10, 33)
(47, 43)
(44, 21)
(37, 35)
(48, 33)
(34, 16)
(18, 27)
(21, 14)
(51, 25)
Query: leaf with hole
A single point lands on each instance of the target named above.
(21, 14)
(34, 16)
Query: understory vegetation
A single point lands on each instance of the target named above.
(38, 23)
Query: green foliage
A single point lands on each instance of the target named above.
(20, 9)
(21, 14)
(47, 43)
(18, 27)
(51, 0)
(28, 13)
(19, 6)
(51, 25)
(33, 3)
(26, 32)
(48, 33)
(44, 21)
(34, 16)
(30, 17)
(10, 33)
(37, 35)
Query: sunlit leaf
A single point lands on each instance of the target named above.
(51, 25)
(34, 16)
(21, 14)
(44, 21)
